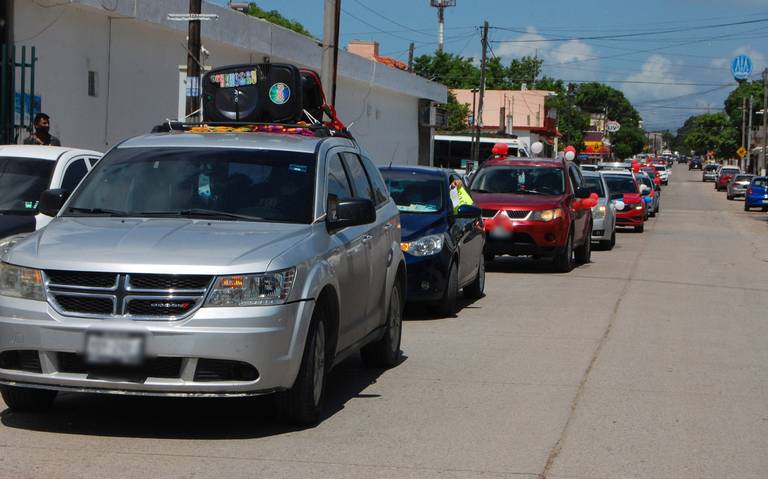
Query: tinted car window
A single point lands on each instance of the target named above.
(710, 167)
(761, 182)
(415, 193)
(377, 182)
(338, 182)
(360, 184)
(262, 185)
(621, 184)
(22, 181)
(519, 179)
(594, 185)
(75, 172)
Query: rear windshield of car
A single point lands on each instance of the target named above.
(742, 178)
(22, 181)
(543, 180)
(595, 185)
(728, 171)
(256, 185)
(414, 192)
(761, 182)
(710, 167)
(660, 167)
(620, 184)
(645, 180)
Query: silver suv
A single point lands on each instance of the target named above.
(205, 264)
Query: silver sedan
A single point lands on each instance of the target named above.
(738, 186)
(604, 213)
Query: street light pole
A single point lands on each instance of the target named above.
(193, 61)
(479, 120)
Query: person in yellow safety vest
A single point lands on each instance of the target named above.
(459, 195)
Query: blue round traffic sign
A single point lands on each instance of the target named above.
(741, 67)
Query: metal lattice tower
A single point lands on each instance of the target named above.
(441, 5)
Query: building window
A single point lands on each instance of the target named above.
(91, 83)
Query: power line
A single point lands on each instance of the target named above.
(389, 19)
(374, 26)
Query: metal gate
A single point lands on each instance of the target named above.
(18, 104)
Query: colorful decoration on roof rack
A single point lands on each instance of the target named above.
(229, 80)
(256, 128)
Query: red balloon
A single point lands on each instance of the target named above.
(500, 149)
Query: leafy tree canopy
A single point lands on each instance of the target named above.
(273, 16)
(710, 131)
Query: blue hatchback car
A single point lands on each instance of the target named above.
(757, 194)
(443, 249)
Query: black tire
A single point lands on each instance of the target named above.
(583, 253)
(765, 208)
(746, 206)
(27, 399)
(639, 229)
(489, 257)
(302, 404)
(385, 353)
(563, 261)
(609, 244)
(658, 208)
(475, 289)
(729, 197)
(652, 214)
(449, 304)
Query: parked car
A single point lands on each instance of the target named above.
(738, 185)
(651, 193)
(724, 176)
(757, 194)
(28, 170)
(534, 207)
(205, 264)
(663, 172)
(443, 250)
(604, 213)
(695, 164)
(652, 173)
(709, 172)
(623, 186)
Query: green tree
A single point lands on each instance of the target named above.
(273, 16)
(712, 131)
(572, 122)
(453, 71)
(600, 98)
(457, 114)
(524, 70)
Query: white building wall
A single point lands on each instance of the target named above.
(136, 53)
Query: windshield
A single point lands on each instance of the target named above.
(519, 179)
(22, 181)
(413, 192)
(257, 185)
(594, 184)
(621, 184)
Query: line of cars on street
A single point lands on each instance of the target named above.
(737, 184)
(217, 263)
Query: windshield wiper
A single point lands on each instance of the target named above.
(96, 211)
(529, 192)
(201, 213)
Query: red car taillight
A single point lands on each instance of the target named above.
(749, 190)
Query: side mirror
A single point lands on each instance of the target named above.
(349, 212)
(468, 211)
(582, 193)
(51, 201)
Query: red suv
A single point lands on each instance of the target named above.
(533, 206)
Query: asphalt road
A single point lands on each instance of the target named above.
(650, 362)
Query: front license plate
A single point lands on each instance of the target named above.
(115, 349)
(500, 233)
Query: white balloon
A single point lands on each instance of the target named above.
(569, 155)
(537, 148)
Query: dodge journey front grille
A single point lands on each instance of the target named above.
(130, 296)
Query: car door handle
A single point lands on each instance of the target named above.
(367, 238)
(388, 226)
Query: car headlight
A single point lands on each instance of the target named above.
(7, 243)
(639, 207)
(18, 282)
(252, 289)
(425, 246)
(598, 212)
(546, 215)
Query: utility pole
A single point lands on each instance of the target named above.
(765, 121)
(748, 164)
(193, 62)
(743, 129)
(411, 48)
(330, 46)
(479, 119)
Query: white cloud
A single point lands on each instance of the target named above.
(655, 80)
(529, 43)
(571, 51)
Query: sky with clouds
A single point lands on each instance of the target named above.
(670, 57)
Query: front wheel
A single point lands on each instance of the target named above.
(449, 304)
(302, 403)
(563, 262)
(475, 289)
(385, 353)
(584, 252)
(609, 244)
(639, 229)
(27, 399)
(746, 206)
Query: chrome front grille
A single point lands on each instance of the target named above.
(518, 214)
(127, 296)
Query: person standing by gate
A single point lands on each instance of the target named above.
(42, 135)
